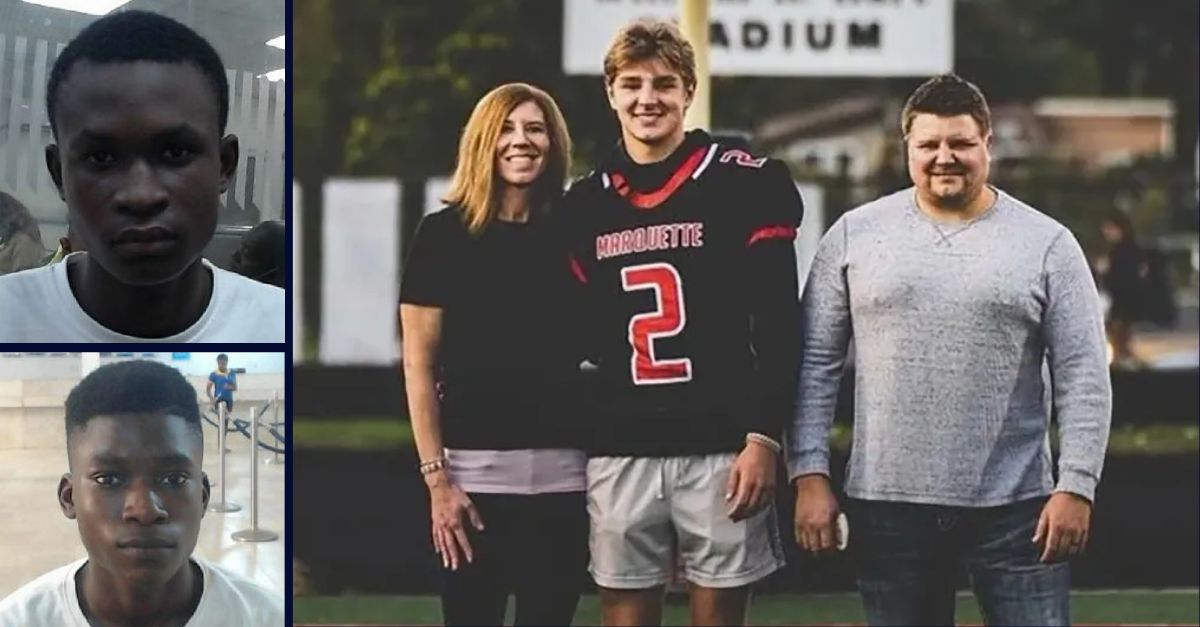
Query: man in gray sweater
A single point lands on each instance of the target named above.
(958, 297)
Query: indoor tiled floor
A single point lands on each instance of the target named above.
(35, 537)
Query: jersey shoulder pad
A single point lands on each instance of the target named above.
(740, 166)
(768, 181)
(727, 157)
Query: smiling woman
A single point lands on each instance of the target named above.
(488, 370)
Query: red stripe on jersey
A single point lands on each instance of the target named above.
(577, 270)
(650, 200)
(772, 232)
(619, 184)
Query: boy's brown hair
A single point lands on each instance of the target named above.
(645, 39)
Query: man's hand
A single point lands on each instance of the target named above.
(751, 481)
(1062, 529)
(816, 514)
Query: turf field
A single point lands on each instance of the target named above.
(1180, 607)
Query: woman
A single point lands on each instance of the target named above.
(1122, 271)
(488, 372)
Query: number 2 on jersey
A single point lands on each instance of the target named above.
(667, 320)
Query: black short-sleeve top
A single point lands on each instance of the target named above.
(506, 367)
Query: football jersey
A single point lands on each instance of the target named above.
(688, 298)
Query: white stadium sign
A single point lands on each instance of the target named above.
(784, 37)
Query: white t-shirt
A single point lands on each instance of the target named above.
(228, 600)
(38, 306)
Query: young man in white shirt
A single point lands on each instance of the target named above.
(135, 449)
(138, 104)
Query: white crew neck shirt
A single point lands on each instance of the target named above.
(228, 600)
(37, 305)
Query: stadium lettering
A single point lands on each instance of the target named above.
(752, 35)
(650, 238)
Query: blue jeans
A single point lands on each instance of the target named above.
(911, 557)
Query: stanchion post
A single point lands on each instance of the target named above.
(254, 534)
(223, 506)
(274, 459)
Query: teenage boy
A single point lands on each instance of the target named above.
(138, 105)
(683, 251)
(135, 487)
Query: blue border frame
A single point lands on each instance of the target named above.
(289, 277)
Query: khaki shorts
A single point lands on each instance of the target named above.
(650, 514)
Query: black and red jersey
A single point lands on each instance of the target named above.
(688, 300)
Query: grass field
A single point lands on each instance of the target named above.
(373, 433)
(1179, 607)
(352, 433)
(382, 433)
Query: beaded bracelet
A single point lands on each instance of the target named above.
(765, 441)
(432, 465)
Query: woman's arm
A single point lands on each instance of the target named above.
(421, 328)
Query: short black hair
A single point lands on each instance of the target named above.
(947, 95)
(128, 387)
(222, 356)
(140, 36)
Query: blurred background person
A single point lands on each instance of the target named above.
(222, 383)
(488, 374)
(20, 238)
(1122, 271)
(262, 253)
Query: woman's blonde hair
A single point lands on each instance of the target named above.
(474, 186)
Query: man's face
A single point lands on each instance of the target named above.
(137, 491)
(222, 363)
(523, 145)
(947, 159)
(650, 100)
(141, 165)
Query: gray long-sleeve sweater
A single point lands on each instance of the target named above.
(952, 325)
